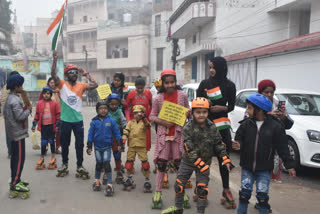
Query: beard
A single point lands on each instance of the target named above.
(73, 78)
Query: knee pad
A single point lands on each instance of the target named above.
(162, 165)
(51, 141)
(107, 166)
(263, 199)
(178, 187)
(44, 142)
(117, 155)
(129, 165)
(145, 165)
(202, 191)
(176, 163)
(99, 166)
(244, 195)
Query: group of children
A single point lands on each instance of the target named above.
(191, 147)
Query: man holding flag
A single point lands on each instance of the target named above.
(222, 94)
(71, 93)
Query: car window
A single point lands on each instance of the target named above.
(190, 94)
(185, 90)
(241, 99)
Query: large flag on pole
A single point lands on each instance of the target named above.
(54, 29)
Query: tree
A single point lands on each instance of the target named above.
(6, 27)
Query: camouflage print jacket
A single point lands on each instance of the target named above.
(202, 142)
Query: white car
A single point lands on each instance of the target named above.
(191, 91)
(304, 136)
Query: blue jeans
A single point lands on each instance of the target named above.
(262, 179)
(103, 157)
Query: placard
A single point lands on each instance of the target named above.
(173, 113)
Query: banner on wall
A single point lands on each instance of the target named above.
(33, 66)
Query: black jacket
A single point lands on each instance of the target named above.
(228, 91)
(258, 147)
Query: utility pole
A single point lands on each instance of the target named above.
(175, 52)
(84, 49)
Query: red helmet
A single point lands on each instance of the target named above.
(168, 72)
(70, 67)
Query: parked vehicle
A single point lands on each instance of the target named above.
(304, 136)
(191, 91)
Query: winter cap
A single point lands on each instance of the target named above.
(14, 81)
(139, 108)
(265, 83)
(47, 89)
(168, 72)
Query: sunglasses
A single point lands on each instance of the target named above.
(73, 72)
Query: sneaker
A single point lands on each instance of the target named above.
(277, 181)
(58, 152)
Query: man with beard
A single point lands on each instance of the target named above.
(71, 93)
(222, 94)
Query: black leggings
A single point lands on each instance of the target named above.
(226, 138)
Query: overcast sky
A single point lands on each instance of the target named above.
(28, 10)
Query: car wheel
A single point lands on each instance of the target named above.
(294, 153)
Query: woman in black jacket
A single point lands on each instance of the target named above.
(222, 94)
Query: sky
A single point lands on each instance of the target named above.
(29, 10)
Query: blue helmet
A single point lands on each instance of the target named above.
(47, 88)
(114, 96)
(260, 101)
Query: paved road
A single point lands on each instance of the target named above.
(70, 195)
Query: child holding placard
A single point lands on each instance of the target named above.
(169, 144)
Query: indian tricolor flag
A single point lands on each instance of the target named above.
(214, 93)
(126, 89)
(54, 29)
(222, 123)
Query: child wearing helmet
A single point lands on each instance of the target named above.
(169, 144)
(258, 137)
(135, 133)
(116, 113)
(47, 119)
(103, 129)
(202, 141)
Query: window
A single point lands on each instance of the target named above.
(111, 16)
(71, 43)
(194, 38)
(158, 1)
(241, 99)
(157, 25)
(85, 18)
(194, 68)
(159, 59)
(190, 95)
(70, 15)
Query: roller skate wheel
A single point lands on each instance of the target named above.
(234, 206)
(195, 198)
(25, 195)
(222, 201)
(227, 205)
(13, 194)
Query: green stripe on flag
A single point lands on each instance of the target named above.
(68, 114)
(215, 97)
(223, 127)
(55, 37)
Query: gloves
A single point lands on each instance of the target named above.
(34, 124)
(89, 148)
(201, 165)
(120, 144)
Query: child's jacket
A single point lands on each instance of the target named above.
(16, 118)
(101, 132)
(202, 142)
(54, 110)
(258, 147)
(136, 133)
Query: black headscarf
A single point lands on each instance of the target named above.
(221, 67)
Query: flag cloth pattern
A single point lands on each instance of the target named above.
(54, 29)
(222, 123)
(214, 93)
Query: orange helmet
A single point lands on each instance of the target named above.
(70, 67)
(158, 83)
(200, 102)
(168, 71)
